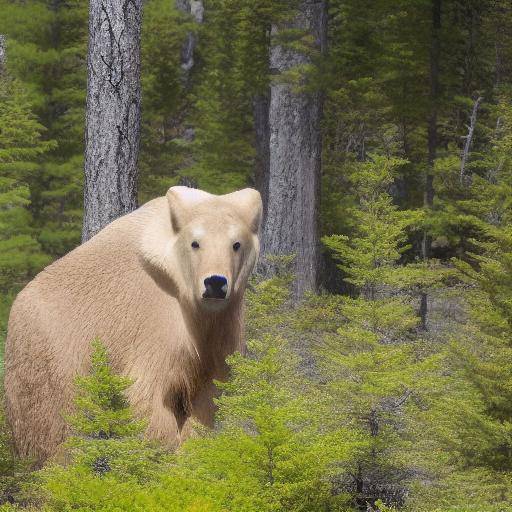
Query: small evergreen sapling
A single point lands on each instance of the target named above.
(107, 450)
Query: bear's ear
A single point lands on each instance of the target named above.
(182, 201)
(249, 205)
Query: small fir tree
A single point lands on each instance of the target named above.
(375, 369)
(107, 451)
(22, 147)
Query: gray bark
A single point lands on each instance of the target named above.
(295, 155)
(261, 106)
(3, 55)
(196, 9)
(467, 145)
(112, 131)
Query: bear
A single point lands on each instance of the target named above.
(162, 287)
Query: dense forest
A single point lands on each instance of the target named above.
(378, 373)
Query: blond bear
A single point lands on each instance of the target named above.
(162, 287)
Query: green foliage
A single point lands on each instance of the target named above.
(102, 408)
(374, 366)
(482, 354)
(165, 96)
(340, 402)
(478, 435)
(234, 45)
(46, 46)
(380, 236)
(14, 472)
(271, 453)
(106, 437)
(41, 102)
(106, 452)
(21, 148)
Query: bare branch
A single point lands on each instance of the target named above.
(469, 139)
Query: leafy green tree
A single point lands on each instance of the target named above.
(482, 355)
(166, 98)
(234, 46)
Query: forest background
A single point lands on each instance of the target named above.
(380, 379)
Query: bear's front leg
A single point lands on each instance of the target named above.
(164, 426)
(202, 409)
(152, 404)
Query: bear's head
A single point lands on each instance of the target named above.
(207, 246)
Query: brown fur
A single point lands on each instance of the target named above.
(137, 285)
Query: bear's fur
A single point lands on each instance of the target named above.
(138, 286)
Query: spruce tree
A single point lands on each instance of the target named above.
(47, 48)
(22, 148)
(480, 355)
(106, 442)
(374, 368)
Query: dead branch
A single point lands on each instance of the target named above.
(469, 139)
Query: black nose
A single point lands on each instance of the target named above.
(216, 287)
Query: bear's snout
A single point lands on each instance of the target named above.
(216, 287)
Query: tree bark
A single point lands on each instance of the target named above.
(3, 55)
(291, 225)
(432, 141)
(261, 107)
(112, 133)
(196, 9)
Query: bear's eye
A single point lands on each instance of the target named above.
(195, 245)
(236, 246)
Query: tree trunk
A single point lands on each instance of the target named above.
(295, 155)
(112, 131)
(3, 55)
(428, 200)
(196, 9)
(261, 106)
(180, 128)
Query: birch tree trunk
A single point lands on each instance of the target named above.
(295, 154)
(112, 131)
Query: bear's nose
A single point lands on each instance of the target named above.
(216, 287)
